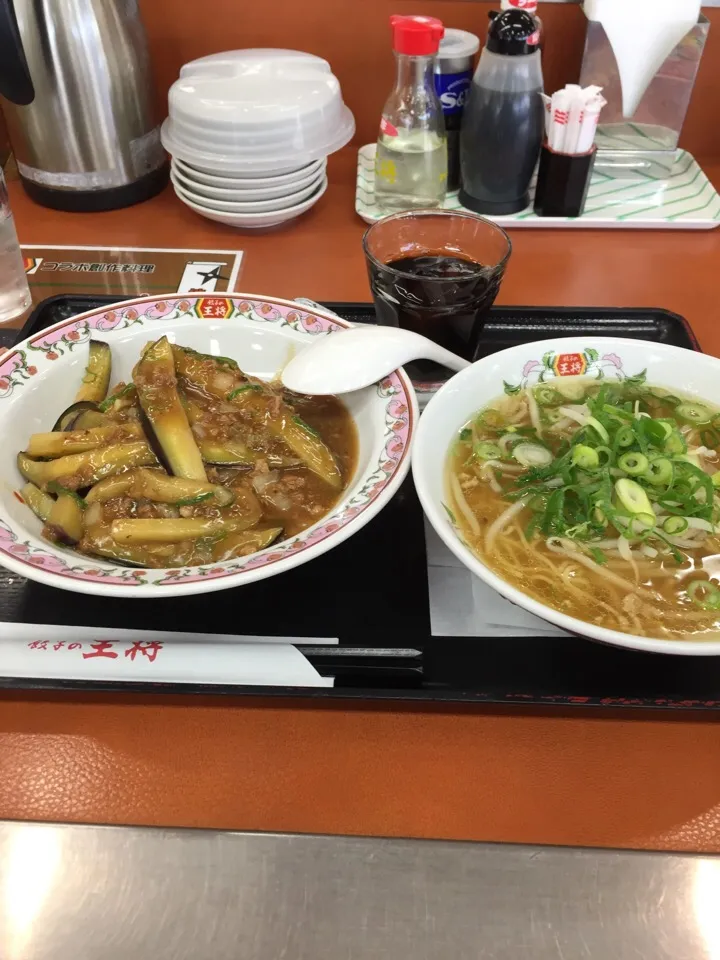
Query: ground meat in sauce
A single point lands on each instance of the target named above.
(294, 498)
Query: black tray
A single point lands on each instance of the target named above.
(386, 649)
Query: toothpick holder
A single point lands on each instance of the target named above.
(563, 183)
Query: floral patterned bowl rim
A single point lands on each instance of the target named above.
(393, 414)
(513, 369)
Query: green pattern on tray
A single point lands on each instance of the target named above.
(686, 201)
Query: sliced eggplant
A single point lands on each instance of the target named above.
(241, 544)
(61, 443)
(86, 411)
(234, 453)
(97, 373)
(227, 453)
(98, 541)
(307, 445)
(65, 523)
(155, 485)
(40, 503)
(113, 486)
(85, 469)
(156, 384)
(31, 470)
(173, 531)
(90, 420)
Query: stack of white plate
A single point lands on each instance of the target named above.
(250, 131)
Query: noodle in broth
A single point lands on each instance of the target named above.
(598, 499)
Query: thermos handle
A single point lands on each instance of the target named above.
(15, 80)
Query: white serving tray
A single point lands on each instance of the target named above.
(687, 201)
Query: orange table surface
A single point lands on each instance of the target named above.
(465, 773)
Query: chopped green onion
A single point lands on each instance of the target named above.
(243, 389)
(547, 397)
(59, 490)
(696, 413)
(655, 430)
(632, 497)
(675, 444)
(585, 457)
(532, 455)
(465, 433)
(106, 404)
(191, 501)
(599, 428)
(659, 472)
(704, 594)
(675, 525)
(607, 455)
(598, 556)
(634, 464)
(641, 526)
(716, 479)
(625, 437)
(486, 450)
(617, 413)
(306, 426)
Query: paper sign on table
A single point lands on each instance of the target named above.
(125, 272)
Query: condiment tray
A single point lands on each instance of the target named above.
(687, 201)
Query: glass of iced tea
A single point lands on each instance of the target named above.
(436, 272)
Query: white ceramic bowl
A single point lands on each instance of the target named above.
(39, 378)
(239, 204)
(248, 181)
(238, 171)
(477, 386)
(253, 221)
(244, 195)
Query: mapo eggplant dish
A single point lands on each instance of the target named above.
(192, 462)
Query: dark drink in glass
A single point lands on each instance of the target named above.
(437, 273)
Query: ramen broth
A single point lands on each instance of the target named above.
(598, 499)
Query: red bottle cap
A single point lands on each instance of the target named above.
(416, 36)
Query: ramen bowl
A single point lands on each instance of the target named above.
(40, 377)
(689, 373)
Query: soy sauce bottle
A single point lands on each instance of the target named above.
(504, 119)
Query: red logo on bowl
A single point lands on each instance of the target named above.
(570, 365)
(214, 308)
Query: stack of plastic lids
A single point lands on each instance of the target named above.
(250, 131)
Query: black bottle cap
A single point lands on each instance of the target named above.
(514, 33)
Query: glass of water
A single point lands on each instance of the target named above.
(15, 295)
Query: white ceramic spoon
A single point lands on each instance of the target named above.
(355, 358)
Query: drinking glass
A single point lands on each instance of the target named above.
(436, 272)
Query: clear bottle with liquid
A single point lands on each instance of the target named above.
(411, 162)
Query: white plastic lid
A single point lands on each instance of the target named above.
(253, 108)
(458, 43)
